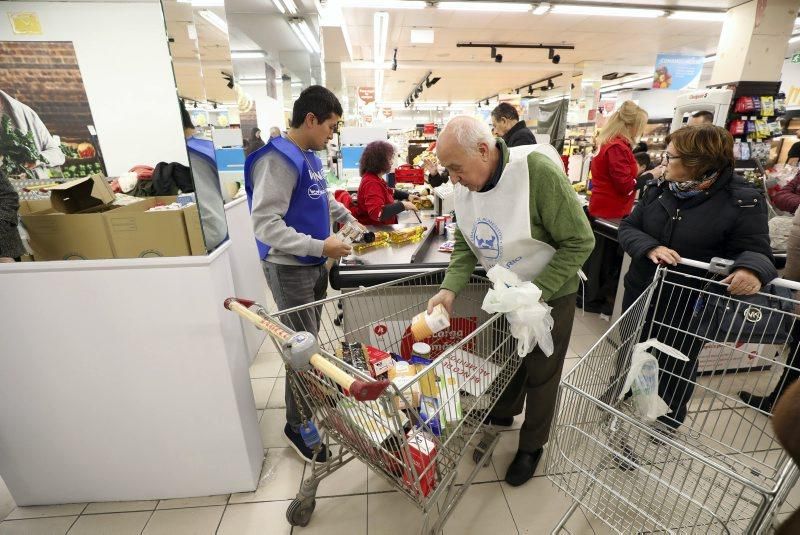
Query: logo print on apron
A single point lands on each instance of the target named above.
(487, 237)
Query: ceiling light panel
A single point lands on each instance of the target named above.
(602, 11)
(383, 4)
(422, 36)
(704, 16)
(496, 7)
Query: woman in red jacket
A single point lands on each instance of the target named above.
(614, 167)
(378, 204)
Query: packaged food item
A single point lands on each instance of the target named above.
(424, 325)
(381, 238)
(451, 398)
(421, 349)
(767, 107)
(422, 450)
(757, 105)
(353, 354)
(440, 224)
(406, 235)
(401, 374)
(447, 247)
(379, 361)
(745, 151)
(736, 128)
(762, 129)
(744, 105)
(424, 203)
(429, 412)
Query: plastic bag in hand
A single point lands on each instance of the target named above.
(642, 379)
(530, 320)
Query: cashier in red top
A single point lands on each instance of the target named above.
(378, 204)
(614, 168)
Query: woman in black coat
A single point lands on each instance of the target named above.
(700, 210)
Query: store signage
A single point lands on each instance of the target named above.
(366, 94)
(796, 58)
(25, 23)
(676, 71)
(387, 112)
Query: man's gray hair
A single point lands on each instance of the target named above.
(469, 132)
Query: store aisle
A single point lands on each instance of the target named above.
(353, 501)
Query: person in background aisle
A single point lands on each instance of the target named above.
(506, 123)
(614, 167)
(646, 173)
(11, 247)
(255, 142)
(700, 210)
(378, 204)
(543, 239)
(788, 197)
(700, 117)
(291, 210)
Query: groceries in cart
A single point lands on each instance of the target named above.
(529, 318)
(642, 379)
(424, 325)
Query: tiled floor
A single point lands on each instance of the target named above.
(352, 500)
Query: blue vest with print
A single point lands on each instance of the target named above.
(308, 212)
(203, 148)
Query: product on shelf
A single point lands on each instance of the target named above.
(424, 203)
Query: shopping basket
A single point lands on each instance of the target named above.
(417, 451)
(720, 468)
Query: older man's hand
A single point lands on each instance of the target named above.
(445, 298)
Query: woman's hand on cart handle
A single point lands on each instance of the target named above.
(444, 298)
(742, 282)
(664, 255)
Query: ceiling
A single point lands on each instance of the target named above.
(621, 44)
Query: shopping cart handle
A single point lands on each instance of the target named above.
(723, 266)
(300, 360)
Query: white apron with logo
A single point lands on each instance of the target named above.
(497, 224)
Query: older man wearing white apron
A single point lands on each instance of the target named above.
(516, 208)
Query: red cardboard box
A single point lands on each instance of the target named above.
(423, 456)
(379, 361)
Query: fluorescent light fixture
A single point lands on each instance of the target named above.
(285, 6)
(706, 16)
(203, 3)
(279, 6)
(191, 31)
(566, 9)
(246, 54)
(378, 85)
(302, 38)
(422, 36)
(252, 81)
(497, 7)
(306, 31)
(383, 4)
(215, 20)
(709, 59)
(541, 9)
(380, 34)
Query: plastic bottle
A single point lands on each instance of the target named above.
(381, 238)
(424, 325)
(401, 374)
(406, 234)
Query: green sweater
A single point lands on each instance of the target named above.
(556, 219)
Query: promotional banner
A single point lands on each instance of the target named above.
(676, 71)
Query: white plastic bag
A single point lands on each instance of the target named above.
(530, 321)
(642, 379)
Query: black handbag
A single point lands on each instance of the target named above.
(765, 317)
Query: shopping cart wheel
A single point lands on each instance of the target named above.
(479, 451)
(300, 511)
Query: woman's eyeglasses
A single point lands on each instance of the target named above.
(666, 157)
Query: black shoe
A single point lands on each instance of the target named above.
(763, 403)
(295, 441)
(627, 460)
(522, 467)
(503, 421)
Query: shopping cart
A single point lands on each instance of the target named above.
(720, 468)
(417, 451)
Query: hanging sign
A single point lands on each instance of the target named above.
(366, 94)
(676, 71)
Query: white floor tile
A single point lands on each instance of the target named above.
(205, 501)
(116, 523)
(266, 364)
(349, 479)
(6, 501)
(580, 328)
(262, 388)
(466, 465)
(195, 521)
(593, 322)
(344, 515)
(581, 343)
(281, 476)
(272, 423)
(376, 483)
(391, 513)
(41, 511)
(568, 365)
(536, 506)
(255, 519)
(482, 509)
(38, 526)
(119, 507)
(277, 399)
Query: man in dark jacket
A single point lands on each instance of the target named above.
(506, 123)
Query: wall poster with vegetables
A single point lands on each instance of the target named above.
(46, 126)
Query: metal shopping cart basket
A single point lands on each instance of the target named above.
(719, 467)
(417, 450)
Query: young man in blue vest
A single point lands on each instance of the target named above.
(291, 211)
